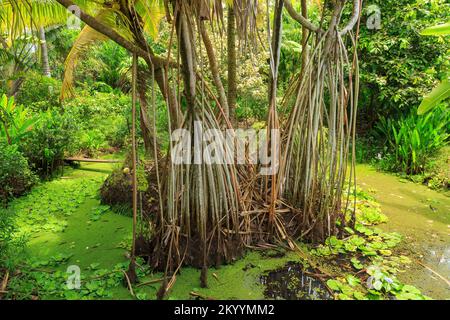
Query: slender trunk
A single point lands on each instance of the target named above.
(214, 68)
(8, 138)
(44, 53)
(170, 98)
(305, 35)
(187, 55)
(146, 126)
(131, 274)
(231, 48)
(273, 116)
(275, 59)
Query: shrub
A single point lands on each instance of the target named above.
(16, 122)
(39, 93)
(102, 120)
(51, 138)
(398, 65)
(437, 174)
(412, 140)
(15, 175)
(10, 246)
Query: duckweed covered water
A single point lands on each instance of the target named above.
(422, 215)
(292, 283)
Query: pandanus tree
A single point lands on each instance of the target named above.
(208, 213)
(320, 130)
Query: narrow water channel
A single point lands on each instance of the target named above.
(423, 217)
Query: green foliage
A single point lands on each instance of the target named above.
(439, 30)
(39, 93)
(411, 140)
(52, 203)
(59, 43)
(436, 171)
(442, 91)
(86, 124)
(364, 239)
(369, 251)
(252, 88)
(102, 118)
(11, 247)
(97, 284)
(17, 123)
(398, 65)
(51, 138)
(438, 94)
(15, 175)
(104, 68)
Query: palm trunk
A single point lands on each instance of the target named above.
(231, 45)
(44, 53)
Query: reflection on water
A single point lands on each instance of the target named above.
(291, 283)
(423, 217)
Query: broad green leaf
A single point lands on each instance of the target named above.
(439, 30)
(377, 285)
(334, 284)
(440, 93)
(352, 280)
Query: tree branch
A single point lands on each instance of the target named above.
(116, 37)
(301, 19)
(357, 4)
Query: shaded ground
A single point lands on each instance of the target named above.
(423, 217)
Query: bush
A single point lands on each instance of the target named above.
(102, 120)
(51, 138)
(15, 175)
(436, 170)
(412, 140)
(398, 65)
(10, 246)
(39, 93)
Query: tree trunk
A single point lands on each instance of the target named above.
(231, 48)
(170, 98)
(44, 53)
(214, 69)
(276, 47)
(131, 273)
(272, 122)
(187, 54)
(146, 126)
(305, 35)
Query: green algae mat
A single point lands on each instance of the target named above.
(77, 248)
